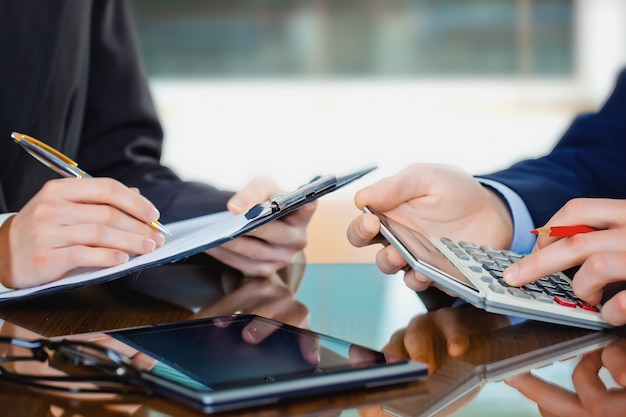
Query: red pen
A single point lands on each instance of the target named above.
(562, 231)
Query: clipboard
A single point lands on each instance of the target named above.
(193, 236)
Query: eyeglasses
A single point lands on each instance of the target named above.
(87, 367)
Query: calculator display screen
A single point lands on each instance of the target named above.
(424, 251)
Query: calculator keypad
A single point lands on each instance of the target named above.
(550, 289)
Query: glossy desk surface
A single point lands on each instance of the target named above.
(355, 302)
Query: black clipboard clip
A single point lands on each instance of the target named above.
(280, 202)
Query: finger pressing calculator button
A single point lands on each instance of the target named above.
(587, 306)
(564, 301)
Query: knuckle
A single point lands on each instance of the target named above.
(108, 213)
(578, 243)
(74, 258)
(301, 242)
(41, 260)
(105, 188)
(260, 286)
(53, 186)
(268, 287)
(264, 269)
(575, 205)
(93, 233)
(597, 264)
(43, 211)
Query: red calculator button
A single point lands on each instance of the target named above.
(564, 301)
(587, 306)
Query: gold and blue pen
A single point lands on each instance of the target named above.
(60, 163)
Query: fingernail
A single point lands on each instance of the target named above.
(253, 334)
(154, 213)
(512, 382)
(121, 257)
(510, 274)
(149, 245)
(236, 204)
(316, 355)
(158, 238)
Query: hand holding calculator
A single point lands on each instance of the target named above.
(474, 273)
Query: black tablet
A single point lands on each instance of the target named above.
(214, 365)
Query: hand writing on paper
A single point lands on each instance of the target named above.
(71, 223)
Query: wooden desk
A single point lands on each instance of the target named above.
(203, 288)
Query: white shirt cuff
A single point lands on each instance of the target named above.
(523, 240)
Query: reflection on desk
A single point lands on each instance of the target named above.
(301, 295)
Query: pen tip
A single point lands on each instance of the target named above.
(541, 230)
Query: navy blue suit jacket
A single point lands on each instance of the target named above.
(71, 76)
(588, 161)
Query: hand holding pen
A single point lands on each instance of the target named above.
(600, 251)
(62, 164)
(70, 223)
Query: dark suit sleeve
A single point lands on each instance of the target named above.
(588, 161)
(121, 136)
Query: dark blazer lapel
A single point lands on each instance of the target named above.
(27, 61)
(25, 75)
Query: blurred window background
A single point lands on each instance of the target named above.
(291, 88)
(330, 38)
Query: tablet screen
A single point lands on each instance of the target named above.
(213, 354)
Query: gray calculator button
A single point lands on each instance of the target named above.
(542, 297)
(496, 274)
(479, 257)
(496, 288)
(518, 292)
(461, 255)
(553, 292)
(491, 266)
(503, 263)
(532, 288)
